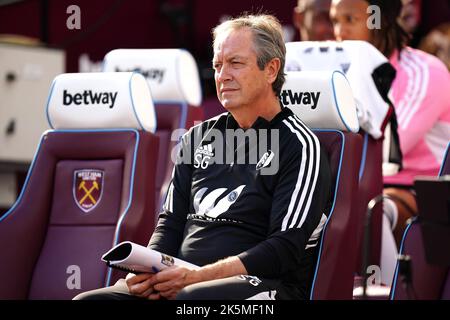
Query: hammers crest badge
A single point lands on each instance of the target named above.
(87, 189)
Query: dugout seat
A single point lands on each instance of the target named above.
(334, 121)
(86, 190)
(429, 281)
(174, 81)
(370, 76)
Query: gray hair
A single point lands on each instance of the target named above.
(267, 40)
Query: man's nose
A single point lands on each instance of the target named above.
(223, 74)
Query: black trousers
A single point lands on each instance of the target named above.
(234, 288)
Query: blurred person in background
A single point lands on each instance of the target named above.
(437, 43)
(418, 18)
(422, 107)
(410, 15)
(312, 19)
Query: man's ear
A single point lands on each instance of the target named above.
(272, 69)
(297, 18)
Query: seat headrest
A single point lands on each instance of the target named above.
(322, 99)
(332, 55)
(101, 100)
(361, 63)
(172, 74)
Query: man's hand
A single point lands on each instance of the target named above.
(141, 285)
(170, 281)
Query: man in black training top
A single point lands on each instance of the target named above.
(250, 190)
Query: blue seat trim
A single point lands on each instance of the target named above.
(394, 281)
(338, 176)
(362, 166)
(444, 160)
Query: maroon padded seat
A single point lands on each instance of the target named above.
(429, 282)
(45, 234)
(334, 121)
(337, 258)
(87, 188)
(212, 107)
(170, 118)
(370, 185)
(370, 75)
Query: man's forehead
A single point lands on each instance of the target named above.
(231, 43)
(230, 56)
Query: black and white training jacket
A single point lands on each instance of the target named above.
(269, 210)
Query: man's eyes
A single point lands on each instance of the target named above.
(217, 66)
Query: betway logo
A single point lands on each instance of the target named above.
(151, 74)
(88, 97)
(296, 98)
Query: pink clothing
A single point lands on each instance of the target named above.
(421, 97)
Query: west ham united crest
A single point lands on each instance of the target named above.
(87, 189)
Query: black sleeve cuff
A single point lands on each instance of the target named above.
(261, 260)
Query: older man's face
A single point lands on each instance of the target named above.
(239, 81)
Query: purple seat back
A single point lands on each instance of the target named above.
(336, 260)
(370, 185)
(170, 117)
(46, 236)
(212, 107)
(430, 282)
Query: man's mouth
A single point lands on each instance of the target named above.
(227, 90)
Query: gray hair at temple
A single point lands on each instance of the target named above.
(267, 39)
